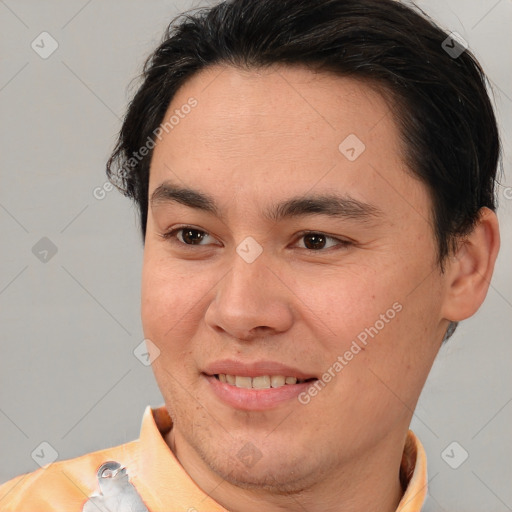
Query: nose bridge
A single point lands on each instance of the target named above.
(249, 262)
(246, 285)
(250, 296)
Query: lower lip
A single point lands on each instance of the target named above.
(255, 399)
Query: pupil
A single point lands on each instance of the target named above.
(317, 241)
(188, 236)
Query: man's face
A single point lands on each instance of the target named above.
(362, 289)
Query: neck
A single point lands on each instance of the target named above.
(370, 483)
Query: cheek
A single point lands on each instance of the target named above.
(171, 312)
(370, 318)
(170, 298)
(340, 301)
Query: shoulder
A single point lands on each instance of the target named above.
(60, 486)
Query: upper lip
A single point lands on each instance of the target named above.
(254, 369)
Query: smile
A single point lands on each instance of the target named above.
(260, 382)
(259, 393)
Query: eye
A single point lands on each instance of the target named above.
(316, 241)
(187, 235)
(313, 240)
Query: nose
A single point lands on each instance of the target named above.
(251, 301)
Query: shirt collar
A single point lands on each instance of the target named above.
(161, 480)
(413, 475)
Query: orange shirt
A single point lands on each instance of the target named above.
(158, 476)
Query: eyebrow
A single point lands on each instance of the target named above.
(331, 205)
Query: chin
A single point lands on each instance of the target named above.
(276, 482)
(270, 475)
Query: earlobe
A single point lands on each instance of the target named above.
(469, 271)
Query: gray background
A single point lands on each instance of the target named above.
(69, 325)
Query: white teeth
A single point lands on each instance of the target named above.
(260, 382)
(277, 381)
(243, 382)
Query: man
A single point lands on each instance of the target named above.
(315, 181)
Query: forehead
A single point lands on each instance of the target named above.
(270, 131)
(254, 106)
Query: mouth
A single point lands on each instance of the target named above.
(256, 385)
(257, 393)
(261, 381)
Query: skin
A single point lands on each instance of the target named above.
(257, 138)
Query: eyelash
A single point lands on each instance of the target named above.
(170, 235)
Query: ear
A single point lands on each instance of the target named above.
(470, 269)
